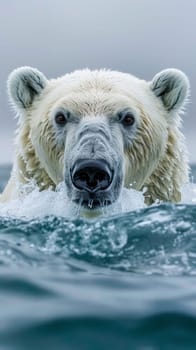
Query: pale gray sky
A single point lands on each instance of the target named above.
(136, 36)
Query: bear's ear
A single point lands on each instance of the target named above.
(172, 86)
(23, 85)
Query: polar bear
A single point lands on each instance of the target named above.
(99, 131)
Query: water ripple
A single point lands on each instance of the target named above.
(156, 240)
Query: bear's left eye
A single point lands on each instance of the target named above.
(127, 118)
(60, 119)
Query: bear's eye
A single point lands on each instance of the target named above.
(60, 119)
(127, 119)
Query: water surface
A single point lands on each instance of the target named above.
(124, 281)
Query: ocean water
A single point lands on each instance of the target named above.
(123, 281)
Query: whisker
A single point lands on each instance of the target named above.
(79, 207)
(90, 203)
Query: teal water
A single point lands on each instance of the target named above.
(125, 281)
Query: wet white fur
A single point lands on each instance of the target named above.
(158, 102)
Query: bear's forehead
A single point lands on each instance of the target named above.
(97, 91)
(95, 102)
(103, 80)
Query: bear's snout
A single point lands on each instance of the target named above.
(91, 175)
(93, 168)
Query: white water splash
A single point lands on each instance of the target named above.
(189, 194)
(40, 204)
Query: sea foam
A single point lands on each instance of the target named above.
(46, 203)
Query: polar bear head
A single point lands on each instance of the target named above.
(100, 131)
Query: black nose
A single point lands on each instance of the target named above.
(91, 175)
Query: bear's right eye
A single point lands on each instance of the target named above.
(60, 119)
